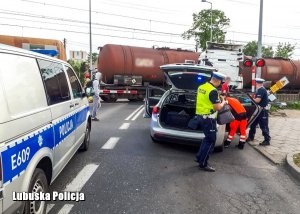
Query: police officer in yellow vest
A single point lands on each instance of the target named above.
(208, 103)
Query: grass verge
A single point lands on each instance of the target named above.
(297, 159)
(295, 105)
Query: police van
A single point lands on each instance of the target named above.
(44, 121)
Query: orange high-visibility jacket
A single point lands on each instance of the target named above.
(236, 105)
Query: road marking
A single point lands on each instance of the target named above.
(133, 113)
(138, 114)
(66, 209)
(49, 207)
(124, 126)
(82, 177)
(111, 143)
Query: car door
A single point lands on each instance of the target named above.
(153, 96)
(62, 109)
(251, 107)
(80, 103)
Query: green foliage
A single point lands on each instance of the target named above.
(296, 158)
(285, 50)
(80, 68)
(200, 29)
(250, 49)
(94, 58)
(295, 105)
(274, 108)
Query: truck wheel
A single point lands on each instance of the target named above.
(112, 98)
(38, 184)
(104, 98)
(86, 143)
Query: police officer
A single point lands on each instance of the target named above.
(261, 98)
(207, 105)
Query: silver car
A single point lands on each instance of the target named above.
(172, 110)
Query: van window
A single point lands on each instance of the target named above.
(75, 85)
(22, 85)
(55, 81)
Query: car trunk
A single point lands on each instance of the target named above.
(177, 111)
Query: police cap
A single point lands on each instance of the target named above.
(219, 76)
(259, 80)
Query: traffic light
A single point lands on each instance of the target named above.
(260, 62)
(247, 62)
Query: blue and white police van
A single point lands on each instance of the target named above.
(44, 121)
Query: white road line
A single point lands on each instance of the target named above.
(111, 143)
(133, 113)
(138, 114)
(66, 209)
(49, 207)
(124, 126)
(82, 177)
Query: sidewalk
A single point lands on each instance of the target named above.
(285, 133)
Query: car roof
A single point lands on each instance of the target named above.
(186, 66)
(12, 49)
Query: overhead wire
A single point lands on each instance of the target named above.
(106, 35)
(105, 13)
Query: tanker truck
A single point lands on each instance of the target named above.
(127, 70)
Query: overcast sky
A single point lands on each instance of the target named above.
(161, 21)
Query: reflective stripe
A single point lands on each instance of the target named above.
(19, 153)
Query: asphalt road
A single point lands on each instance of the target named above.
(138, 176)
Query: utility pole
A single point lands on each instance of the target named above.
(91, 54)
(259, 46)
(65, 43)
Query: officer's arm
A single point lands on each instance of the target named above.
(214, 98)
(219, 106)
(257, 100)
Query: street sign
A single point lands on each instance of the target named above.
(279, 85)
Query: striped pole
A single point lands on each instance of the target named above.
(253, 71)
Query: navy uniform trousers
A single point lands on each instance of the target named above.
(209, 127)
(263, 121)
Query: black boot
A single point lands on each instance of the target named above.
(241, 145)
(265, 143)
(227, 143)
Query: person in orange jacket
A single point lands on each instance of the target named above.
(240, 115)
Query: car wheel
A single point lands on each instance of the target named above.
(38, 184)
(86, 143)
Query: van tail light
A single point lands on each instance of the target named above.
(155, 110)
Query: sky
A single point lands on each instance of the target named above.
(146, 23)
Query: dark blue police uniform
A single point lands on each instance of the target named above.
(263, 117)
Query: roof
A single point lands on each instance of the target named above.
(179, 66)
(12, 49)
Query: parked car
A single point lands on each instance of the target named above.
(44, 120)
(171, 110)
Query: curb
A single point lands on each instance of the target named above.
(291, 166)
(265, 154)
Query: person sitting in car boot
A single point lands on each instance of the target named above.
(240, 115)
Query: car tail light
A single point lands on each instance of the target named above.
(155, 110)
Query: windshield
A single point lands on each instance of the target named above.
(187, 80)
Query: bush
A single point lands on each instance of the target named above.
(295, 105)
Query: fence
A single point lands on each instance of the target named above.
(288, 97)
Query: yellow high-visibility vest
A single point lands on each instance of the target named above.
(203, 104)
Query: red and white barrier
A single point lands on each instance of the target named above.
(118, 92)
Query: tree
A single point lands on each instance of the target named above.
(250, 49)
(285, 50)
(79, 67)
(94, 58)
(200, 29)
